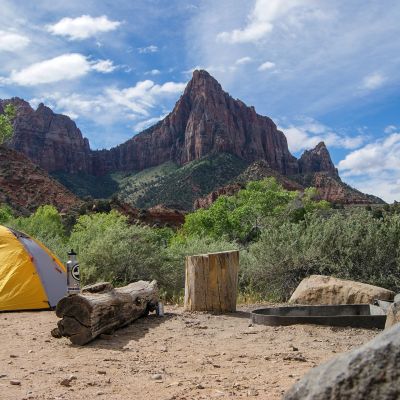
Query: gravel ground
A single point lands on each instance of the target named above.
(179, 356)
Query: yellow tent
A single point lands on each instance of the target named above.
(31, 277)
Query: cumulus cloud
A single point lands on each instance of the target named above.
(12, 41)
(373, 81)
(374, 157)
(375, 168)
(149, 49)
(309, 133)
(65, 67)
(260, 21)
(266, 66)
(82, 27)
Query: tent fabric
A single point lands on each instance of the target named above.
(31, 277)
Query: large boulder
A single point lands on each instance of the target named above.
(369, 372)
(393, 315)
(320, 289)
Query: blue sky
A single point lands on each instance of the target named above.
(322, 70)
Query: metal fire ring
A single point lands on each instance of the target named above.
(351, 315)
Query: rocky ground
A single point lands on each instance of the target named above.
(179, 356)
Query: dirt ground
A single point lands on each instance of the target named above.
(179, 356)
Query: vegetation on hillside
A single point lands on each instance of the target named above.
(283, 237)
(6, 120)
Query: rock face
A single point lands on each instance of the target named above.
(334, 190)
(50, 140)
(228, 190)
(25, 186)
(320, 289)
(317, 160)
(205, 120)
(369, 372)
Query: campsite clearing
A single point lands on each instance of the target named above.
(179, 356)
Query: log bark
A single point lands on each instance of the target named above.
(101, 308)
(211, 282)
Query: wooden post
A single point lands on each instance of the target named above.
(211, 282)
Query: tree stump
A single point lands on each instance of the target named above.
(211, 282)
(101, 308)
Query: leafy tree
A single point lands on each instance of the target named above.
(6, 120)
(241, 217)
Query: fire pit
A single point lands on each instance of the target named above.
(354, 315)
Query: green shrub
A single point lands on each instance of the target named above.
(353, 245)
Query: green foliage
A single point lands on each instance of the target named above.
(6, 120)
(243, 216)
(353, 245)
(45, 225)
(82, 185)
(6, 214)
(179, 188)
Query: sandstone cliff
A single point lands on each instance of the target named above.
(50, 140)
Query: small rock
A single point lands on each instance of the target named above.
(30, 351)
(102, 372)
(56, 333)
(294, 348)
(65, 382)
(200, 386)
(252, 392)
(15, 382)
(156, 377)
(3, 376)
(13, 356)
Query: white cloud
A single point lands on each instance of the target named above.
(104, 66)
(12, 41)
(310, 132)
(260, 21)
(65, 67)
(153, 72)
(113, 104)
(373, 81)
(243, 60)
(266, 66)
(390, 129)
(374, 157)
(375, 168)
(142, 125)
(149, 49)
(82, 27)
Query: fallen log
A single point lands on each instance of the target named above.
(101, 308)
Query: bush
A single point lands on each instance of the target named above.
(46, 226)
(351, 245)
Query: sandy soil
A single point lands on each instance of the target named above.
(179, 356)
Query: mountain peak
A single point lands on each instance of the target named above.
(317, 159)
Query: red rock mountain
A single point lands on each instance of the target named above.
(204, 120)
(25, 186)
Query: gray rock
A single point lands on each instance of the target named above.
(368, 372)
(393, 315)
(397, 298)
